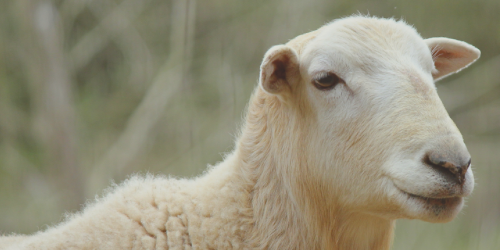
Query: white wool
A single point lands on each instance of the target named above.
(312, 169)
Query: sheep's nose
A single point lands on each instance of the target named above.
(450, 160)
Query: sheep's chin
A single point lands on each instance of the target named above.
(437, 210)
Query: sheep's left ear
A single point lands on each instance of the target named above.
(450, 56)
(279, 71)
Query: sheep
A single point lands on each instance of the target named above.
(344, 134)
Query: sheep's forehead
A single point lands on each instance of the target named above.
(366, 42)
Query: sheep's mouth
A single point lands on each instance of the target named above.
(448, 201)
(433, 201)
(432, 208)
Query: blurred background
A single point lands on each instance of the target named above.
(92, 91)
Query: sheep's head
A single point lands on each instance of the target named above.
(379, 138)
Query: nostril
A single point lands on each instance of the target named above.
(463, 168)
(455, 168)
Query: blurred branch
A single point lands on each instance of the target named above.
(473, 99)
(237, 17)
(11, 117)
(486, 119)
(128, 39)
(476, 87)
(112, 25)
(478, 100)
(51, 94)
(70, 9)
(170, 76)
(58, 100)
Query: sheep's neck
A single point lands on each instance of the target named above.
(280, 221)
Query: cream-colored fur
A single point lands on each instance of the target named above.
(312, 169)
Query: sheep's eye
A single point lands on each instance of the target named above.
(327, 81)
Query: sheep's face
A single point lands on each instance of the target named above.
(382, 141)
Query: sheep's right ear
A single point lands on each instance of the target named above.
(279, 70)
(450, 55)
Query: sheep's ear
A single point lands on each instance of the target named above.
(450, 56)
(279, 70)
